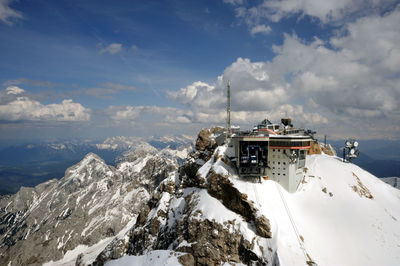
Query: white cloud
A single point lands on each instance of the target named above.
(337, 12)
(15, 106)
(7, 14)
(260, 29)
(234, 2)
(14, 90)
(124, 114)
(112, 48)
(349, 82)
(309, 81)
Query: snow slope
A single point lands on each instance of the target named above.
(156, 257)
(343, 215)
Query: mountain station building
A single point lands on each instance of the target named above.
(272, 152)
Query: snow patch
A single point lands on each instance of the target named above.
(155, 257)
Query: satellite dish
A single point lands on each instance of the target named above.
(350, 151)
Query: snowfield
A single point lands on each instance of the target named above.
(340, 215)
(156, 257)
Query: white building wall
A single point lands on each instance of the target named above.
(287, 174)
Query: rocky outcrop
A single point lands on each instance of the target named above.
(221, 188)
(203, 140)
(315, 148)
(206, 139)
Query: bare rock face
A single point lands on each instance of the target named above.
(221, 188)
(203, 216)
(203, 140)
(206, 139)
(92, 202)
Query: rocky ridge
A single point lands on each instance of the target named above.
(200, 213)
(92, 202)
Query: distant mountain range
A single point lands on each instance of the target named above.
(31, 164)
(379, 157)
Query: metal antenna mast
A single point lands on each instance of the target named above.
(228, 111)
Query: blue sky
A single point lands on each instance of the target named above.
(92, 69)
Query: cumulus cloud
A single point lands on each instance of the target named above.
(260, 29)
(131, 114)
(199, 95)
(16, 106)
(7, 14)
(336, 12)
(112, 48)
(348, 81)
(14, 90)
(325, 11)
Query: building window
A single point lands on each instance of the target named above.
(279, 162)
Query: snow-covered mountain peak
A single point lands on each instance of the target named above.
(89, 169)
(78, 214)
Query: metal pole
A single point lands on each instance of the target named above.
(228, 111)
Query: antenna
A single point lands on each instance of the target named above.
(228, 110)
(350, 150)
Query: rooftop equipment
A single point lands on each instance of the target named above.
(350, 150)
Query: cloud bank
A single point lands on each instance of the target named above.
(15, 106)
(349, 83)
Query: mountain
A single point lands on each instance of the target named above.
(207, 215)
(127, 143)
(34, 163)
(393, 181)
(147, 210)
(80, 213)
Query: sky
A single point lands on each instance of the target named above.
(95, 69)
